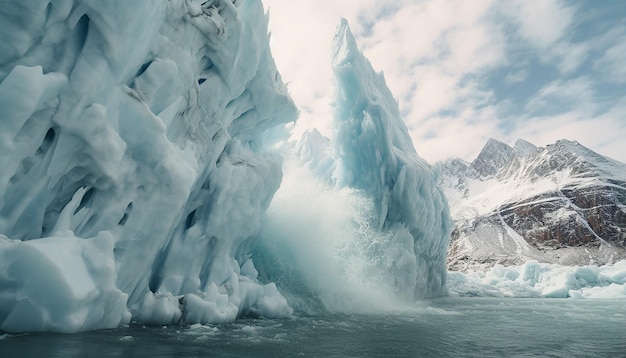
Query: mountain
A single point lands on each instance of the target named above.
(560, 204)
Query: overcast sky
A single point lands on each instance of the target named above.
(465, 71)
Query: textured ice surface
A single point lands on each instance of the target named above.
(534, 279)
(60, 283)
(133, 169)
(376, 156)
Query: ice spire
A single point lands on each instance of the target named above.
(376, 156)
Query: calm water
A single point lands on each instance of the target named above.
(459, 327)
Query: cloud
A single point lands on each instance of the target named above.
(462, 135)
(546, 27)
(559, 96)
(465, 71)
(516, 77)
(542, 23)
(543, 130)
(612, 65)
(431, 53)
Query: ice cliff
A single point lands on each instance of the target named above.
(133, 162)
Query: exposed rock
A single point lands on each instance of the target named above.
(563, 203)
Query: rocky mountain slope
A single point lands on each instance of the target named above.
(560, 204)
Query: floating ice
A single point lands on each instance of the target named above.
(534, 279)
(133, 168)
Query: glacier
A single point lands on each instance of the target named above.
(135, 162)
(139, 157)
(140, 150)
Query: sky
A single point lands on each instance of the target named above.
(466, 71)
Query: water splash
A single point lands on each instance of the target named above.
(322, 248)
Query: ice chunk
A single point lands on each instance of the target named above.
(64, 284)
(358, 224)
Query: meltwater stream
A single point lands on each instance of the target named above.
(451, 327)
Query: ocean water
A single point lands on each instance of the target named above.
(450, 327)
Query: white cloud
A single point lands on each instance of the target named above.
(542, 23)
(437, 56)
(516, 77)
(462, 135)
(547, 27)
(543, 130)
(568, 57)
(429, 51)
(604, 132)
(613, 64)
(559, 96)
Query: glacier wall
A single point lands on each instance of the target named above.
(133, 162)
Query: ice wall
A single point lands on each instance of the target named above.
(133, 169)
(376, 157)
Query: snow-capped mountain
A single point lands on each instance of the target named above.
(561, 204)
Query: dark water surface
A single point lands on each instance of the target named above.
(452, 327)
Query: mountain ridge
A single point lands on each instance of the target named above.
(563, 203)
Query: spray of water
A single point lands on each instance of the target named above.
(319, 246)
